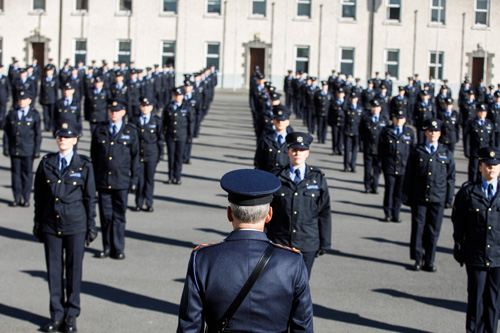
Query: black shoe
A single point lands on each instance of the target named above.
(136, 209)
(70, 324)
(353, 170)
(119, 256)
(149, 209)
(178, 182)
(168, 181)
(418, 266)
(386, 219)
(447, 205)
(14, 204)
(429, 268)
(374, 192)
(53, 326)
(103, 254)
(345, 170)
(396, 220)
(186, 162)
(365, 191)
(25, 204)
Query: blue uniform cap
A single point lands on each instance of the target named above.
(178, 91)
(281, 112)
(68, 86)
(115, 105)
(432, 124)
(399, 114)
(250, 187)
(275, 96)
(23, 94)
(449, 100)
(489, 155)
(298, 140)
(374, 102)
(144, 101)
(68, 130)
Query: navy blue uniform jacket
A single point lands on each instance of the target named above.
(217, 272)
(65, 203)
(22, 137)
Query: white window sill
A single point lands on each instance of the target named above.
(436, 25)
(168, 14)
(480, 27)
(124, 13)
(347, 20)
(79, 12)
(37, 12)
(212, 15)
(392, 22)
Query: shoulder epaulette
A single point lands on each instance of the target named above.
(49, 155)
(131, 125)
(202, 246)
(286, 247)
(85, 158)
(314, 169)
(467, 183)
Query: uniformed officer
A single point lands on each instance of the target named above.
(22, 138)
(481, 133)
(5, 92)
(476, 220)
(395, 144)
(399, 102)
(115, 155)
(98, 98)
(297, 84)
(411, 93)
(302, 214)
(23, 84)
(450, 131)
(336, 117)
(467, 109)
(120, 92)
(369, 131)
(217, 272)
(13, 76)
(177, 128)
(68, 108)
(430, 175)
(367, 96)
(441, 101)
(77, 83)
(481, 91)
(148, 87)
(191, 101)
(152, 146)
(323, 101)
(135, 87)
(357, 88)
(385, 100)
(288, 89)
(424, 110)
(308, 92)
(388, 83)
(49, 92)
(271, 149)
(494, 116)
(353, 114)
(65, 199)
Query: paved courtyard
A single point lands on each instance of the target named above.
(364, 284)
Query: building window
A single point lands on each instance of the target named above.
(392, 62)
(125, 6)
(482, 12)
(436, 60)
(214, 7)
(80, 50)
(213, 55)
(349, 9)
(304, 8)
(39, 5)
(259, 7)
(170, 6)
(1, 5)
(347, 61)
(82, 5)
(168, 53)
(124, 51)
(394, 10)
(302, 59)
(438, 11)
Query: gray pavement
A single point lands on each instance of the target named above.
(364, 284)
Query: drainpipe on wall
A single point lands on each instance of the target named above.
(60, 33)
(272, 43)
(462, 49)
(370, 37)
(221, 59)
(414, 43)
(319, 39)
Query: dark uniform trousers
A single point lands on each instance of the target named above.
(483, 285)
(372, 169)
(392, 194)
(112, 210)
(426, 221)
(351, 144)
(175, 150)
(21, 177)
(48, 116)
(336, 121)
(145, 187)
(478, 137)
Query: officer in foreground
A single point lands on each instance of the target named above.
(217, 272)
(302, 218)
(476, 221)
(65, 200)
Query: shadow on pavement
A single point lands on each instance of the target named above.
(361, 257)
(14, 234)
(158, 239)
(188, 202)
(442, 303)
(355, 319)
(21, 314)
(214, 231)
(405, 244)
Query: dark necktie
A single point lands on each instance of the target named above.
(297, 176)
(398, 131)
(144, 121)
(115, 131)
(64, 164)
(66, 102)
(432, 150)
(280, 139)
(490, 192)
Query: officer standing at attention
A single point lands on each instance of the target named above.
(450, 131)
(177, 128)
(217, 272)
(494, 116)
(352, 114)
(151, 145)
(369, 131)
(22, 138)
(115, 156)
(192, 103)
(336, 118)
(475, 220)
(98, 97)
(68, 108)
(5, 91)
(49, 91)
(430, 174)
(288, 89)
(481, 134)
(302, 213)
(323, 101)
(65, 199)
(395, 144)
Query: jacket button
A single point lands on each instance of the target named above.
(296, 193)
(489, 227)
(430, 173)
(312, 195)
(477, 209)
(396, 172)
(430, 160)
(426, 199)
(294, 231)
(109, 187)
(489, 209)
(57, 199)
(110, 158)
(57, 216)
(59, 181)
(488, 246)
(109, 173)
(279, 151)
(282, 194)
(295, 212)
(487, 264)
(112, 143)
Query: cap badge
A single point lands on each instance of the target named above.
(115, 103)
(492, 154)
(64, 125)
(300, 139)
(434, 123)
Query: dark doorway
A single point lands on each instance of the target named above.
(257, 58)
(477, 70)
(39, 53)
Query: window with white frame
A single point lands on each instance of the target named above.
(438, 11)
(304, 8)
(436, 60)
(392, 62)
(125, 6)
(259, 8)
(482, 12)
(82, 5)
(1, 6)
(213, 54)
(347, 61)
(302, 58)
(170, 6)
(214, 7)
(168, 53)
(349, 9)
(39, 5)
(124, 51)
(80, 50)
(394, 10)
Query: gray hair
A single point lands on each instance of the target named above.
(249, 214)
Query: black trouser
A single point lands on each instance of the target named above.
(311, 120)
(146, 185)
(322, 128)
(309, 261)
(373, 168)
(21, 168)
(350, 151)
(134, 111)
(483, 286)
(497, 139)
(112, 209)
(297, 108)
(473, 168)
(175, 150)
(3, 113)
(392, 195)
(48, 116)
(187, 150)
(426, 221)
(337, 140)
(420, 136)
(288, 100)
(64, 255)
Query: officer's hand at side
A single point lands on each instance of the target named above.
(320, 253)
(5, 153)
(91, 235)
(458, 254)
(467, 155)
(132, 188)
(37, 233)
(36, 155)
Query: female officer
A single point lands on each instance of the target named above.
(65, 199)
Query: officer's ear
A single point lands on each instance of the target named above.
(229, 214)
(269, 214)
